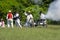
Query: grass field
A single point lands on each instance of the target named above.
(52, 32)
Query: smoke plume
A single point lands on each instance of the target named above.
(54, 11)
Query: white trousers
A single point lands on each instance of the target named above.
(29, 22)
(10, 22)
(17, 22)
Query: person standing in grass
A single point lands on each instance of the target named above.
(29, 19)
(17, 20)
(10, 19)
(43, 19)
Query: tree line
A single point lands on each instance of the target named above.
(24, 5)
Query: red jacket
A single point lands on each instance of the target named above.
(9, 15)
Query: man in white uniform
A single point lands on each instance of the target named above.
(29, 19)
(17, 20)
(43, 19)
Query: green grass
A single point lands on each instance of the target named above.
(38, 33)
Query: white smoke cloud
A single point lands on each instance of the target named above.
(54, 11)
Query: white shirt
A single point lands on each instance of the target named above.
(29, 17)
(42, 16)
(16, 15)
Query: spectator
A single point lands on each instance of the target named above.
(10, 19)
(2, 23)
